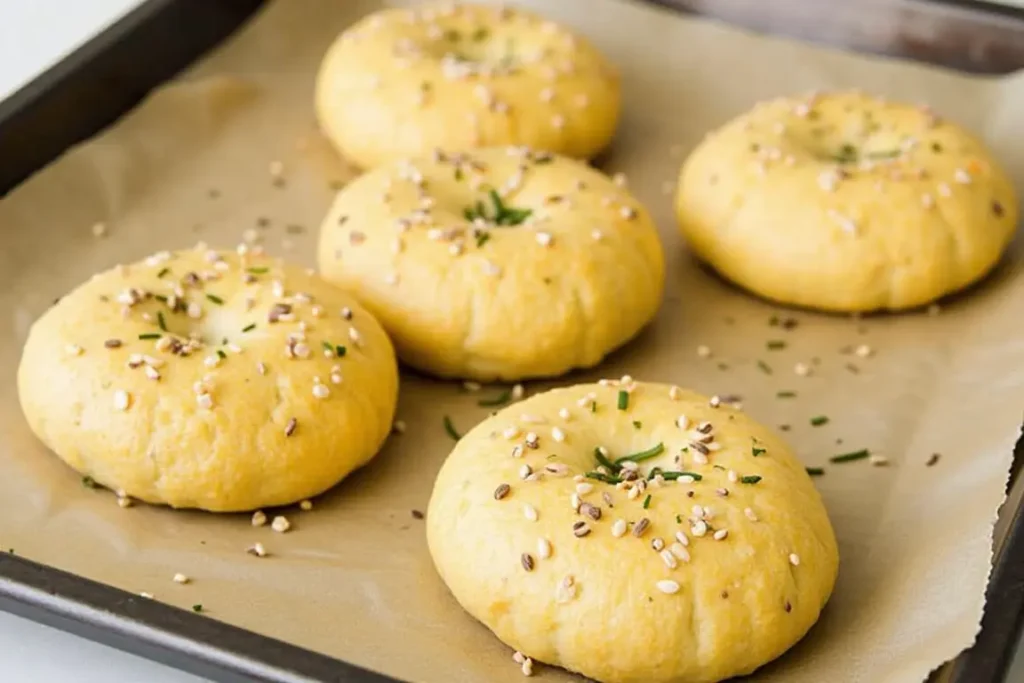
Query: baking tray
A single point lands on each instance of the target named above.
(105, 78)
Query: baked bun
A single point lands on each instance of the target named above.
(403, 82)
(714, 559)
(499, 264)
(210, 380)
(846, 202)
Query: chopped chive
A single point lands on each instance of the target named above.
(608, 479)
(602, 460)
(786, 394)
(328, 347)
(458, 173)
(340, 351)
(150, 335)
(197, 608)
(815, 471)
(482, 239)
(652, 452)
(160, 320)
(750, 479)
(163, 271)
(593, 407)
(89, 483)
(672, 476)
(756, 451)
(764, 367)
(718, 467)
(623, 400)
(161, 298)
(849, 457)
(215, 299)
(679, 519)
(450, 428)
(819, 420)
(249, 328)
(775, 344)
(223, 356)
(647, 501)
(637, 424)
(258, 271)
(499, 400)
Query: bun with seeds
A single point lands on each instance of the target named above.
(633, 533)
(499, 264)
(211, 380)
(846, 202)
(402, 82)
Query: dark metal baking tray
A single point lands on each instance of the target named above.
(110, 74)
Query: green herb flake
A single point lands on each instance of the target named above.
(637, 424)
(786, 394)
(819, 420)
(623, 400)
(604, 461)
(775, 344)
(223, 356)
(652, 452)
(328, 347)
(606, 478)
(499, 400)
(480, 34)
(163, 271)
(89, 483)
(750, 479)
(249, 328)
(258, 271)
(450, 429)
(197, 607)
(679, 519)
(150, 335)
(756, 451)
(459, 175)
(215, 299)
(482, 239)
(673, 476)
(815, 471)
(593, 407)
(850, 457)
(647, 501)
(340, 351)
(502, 215)
(764, 367)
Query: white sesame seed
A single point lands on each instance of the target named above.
(703, 351)
(518, 657)
(557, 434)
(682, 538)
(564, 414)
(863, 351)
(321, 391)
(99, 229)
(619, 528)
(144, 594)
(211, 361)
(124, 502)
(525, 471)
(751, 515)
(596, 235)
(74, 350)
(668, 587)
(675, 393)
(306, 505)
(802, 369)
(699, 458)
(584, 488)
(699, 528)
(527, 667)
(181, 578)
(679, 551)
(511, 432)
(633, 493)
(151, 372)
(543, 548)
(669, 559)
(280, 524)
(257, 549)
(682, 422)
(544, 239)
(944, 190)
(575, 502)
(733, 477)
(961, 176)
(259, 518)
(122, 399)
(794, 559)
(530, 512)
(721, 534)
(878, 460)
(517, 392)
(927, 201)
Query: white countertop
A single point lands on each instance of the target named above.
(34, 34)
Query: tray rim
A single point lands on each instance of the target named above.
(217, 650)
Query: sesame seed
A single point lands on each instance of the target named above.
(733, 477)
(575, 502)
(596, 235)
(679, 552)
(124, 502)
(527, 561)
(682, 538)
(525, 471)
(517, 392)
(257, 549)
(530, 512)
(306, 505)
(669, 559)
(721, 534)
(518, 657)
(584, 488)
(527, 667)
(204, 401)
(751, 515)
(699, 528)
(122, 399)
(99, 229)
(74, 350)
(544, 239)
(543, 548)
(580, 529)
(564, 414)
(511, 432)
(619, 528)
(280, 524)
(532, 440)
(703, 351)
(259, 518)
(321, 391)
(794, 559)
(675, 393)
(289, 428)
(557, 434)
(667, 586)
(802, 369)
(961, 176)
(944, 190)
(863, 351)
(144, 594)
(878, 460)
(641, 527)
(181, 578)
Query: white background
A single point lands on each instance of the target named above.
(34, 34)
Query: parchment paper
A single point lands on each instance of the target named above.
(353, 579)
